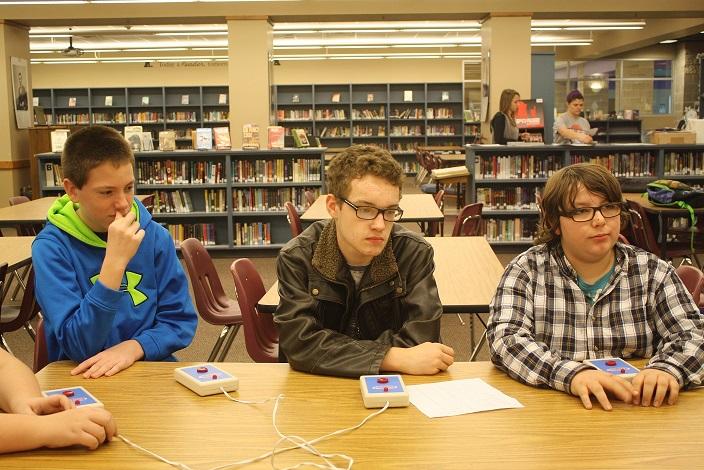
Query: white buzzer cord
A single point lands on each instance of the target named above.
(180, 465)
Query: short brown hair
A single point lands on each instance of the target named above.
(358, 161)
(561, 191)
(90, 147)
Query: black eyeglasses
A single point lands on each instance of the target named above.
(585, 214)
(371, 213)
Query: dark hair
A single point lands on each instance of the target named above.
(90, 147)
(574, 95)
(561, 191)
(358, 161)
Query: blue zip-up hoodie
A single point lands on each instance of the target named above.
(83, 317)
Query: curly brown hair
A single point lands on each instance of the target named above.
(358, 161)
(90, 147)
(561, 191)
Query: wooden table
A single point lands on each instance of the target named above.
(33, 211)
(466, 271)
(416, 208)
(663, 214)
(16, 251)
(552, 431)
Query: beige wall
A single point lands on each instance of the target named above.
(14, 145)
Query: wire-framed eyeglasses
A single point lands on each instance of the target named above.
(370, 212)
(585, 214)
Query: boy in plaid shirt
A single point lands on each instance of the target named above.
(581, 295)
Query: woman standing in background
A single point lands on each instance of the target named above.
(503, 124)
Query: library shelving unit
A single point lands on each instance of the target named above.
(182, 109)
(612, 131)
(229, 199)
(398, 116)
(507, 179)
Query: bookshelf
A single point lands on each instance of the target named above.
(617, 130)
(507, 179)
(230, 199)
(397, 116)
(182, 109)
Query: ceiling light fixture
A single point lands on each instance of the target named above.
(668, 41)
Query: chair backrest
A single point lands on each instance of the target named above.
(693, 279)
(437, 227)
(41, 356)
(27, 229)
(293, 219)
(469, 221)
(643, 235)
(29, 307)
(3, 286)
(310, 197)
(260, 336)
(207, 288)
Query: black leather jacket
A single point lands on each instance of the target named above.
(328, 326)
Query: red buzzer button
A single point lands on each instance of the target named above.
(611, 363)
(383, 380)
(68, 393)
(202, 370)
(215, 376)
(77, 402)
(386, 389)
(623, 371)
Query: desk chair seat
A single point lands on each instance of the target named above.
(41, 355)
(293, 219)
(693, 279)
(13, 318)
(260, 335)
(211, 302)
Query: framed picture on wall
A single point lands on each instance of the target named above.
(19, 92)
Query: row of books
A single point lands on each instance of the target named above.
(216, 116)
(147, 117)
(684, 163)
(53, 174)
(624, 164)
(336, 131)
(327, 113)
(368, 131)
(109, 118)
(404, 146)
(410, 166)
(513, 198)
(203, 232)
(269, 199)
(407, 113)
(73, 118)
(300, 170)
(179, 172)
(182, 116)
(447, 129)
(256, 233)
(509, 230)
(369, 113)
(516, 166)
(180, 202)
(406, 131)
(294, 114)
(440, 113)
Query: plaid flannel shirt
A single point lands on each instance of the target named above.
(541, 326)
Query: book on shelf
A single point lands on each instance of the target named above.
(72, 102)
(250, 136)
(108, 100)
(147, 144)
(133, 135)
(295, 99)
(203, 138)
(58, 139)
(35, 101)
(49, 174)
(222, 98)
(222, 138)
(145, 100)
(370, 97)
(276, 136)
(300, 138)
(167, 141)
(445, 96)
(407, 95)
(335, 98)
(185, 99)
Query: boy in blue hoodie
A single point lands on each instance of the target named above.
(108, 281)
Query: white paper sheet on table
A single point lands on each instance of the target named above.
(456, 397)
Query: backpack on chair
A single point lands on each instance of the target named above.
(671, 193)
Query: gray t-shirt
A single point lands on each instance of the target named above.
(570, 122)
